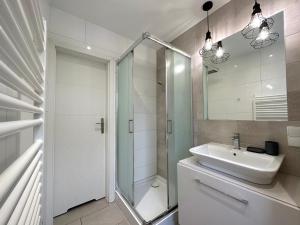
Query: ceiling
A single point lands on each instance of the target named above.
(164, 18)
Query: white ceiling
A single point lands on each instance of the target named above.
(164, 18)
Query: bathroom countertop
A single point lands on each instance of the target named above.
(284, 188)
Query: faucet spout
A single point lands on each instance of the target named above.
(236, 141)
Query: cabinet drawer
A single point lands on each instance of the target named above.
(204, 199)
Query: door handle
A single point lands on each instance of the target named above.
(169, 127)
(243, 201)
(130, 126)
(101, 125)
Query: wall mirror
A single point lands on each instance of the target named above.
(251, 84)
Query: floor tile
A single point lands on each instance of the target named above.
(110, 215)
(76, 222)
(124, 222)
(80, 211)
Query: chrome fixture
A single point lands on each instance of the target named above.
(252, 30)
(207, 50)
(148, 36)
(220, 56)
(236, 141)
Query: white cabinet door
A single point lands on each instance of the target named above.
(79, 155)
(207, 200)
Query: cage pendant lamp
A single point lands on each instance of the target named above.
(207, 50)
(220, 56)
(265, 37)
(252, 30)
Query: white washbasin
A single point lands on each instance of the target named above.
(253, 167)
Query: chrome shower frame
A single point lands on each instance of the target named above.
(149, 36)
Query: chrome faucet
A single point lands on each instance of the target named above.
(236, 141)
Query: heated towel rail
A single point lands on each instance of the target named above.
(272, 107)
(22, 69)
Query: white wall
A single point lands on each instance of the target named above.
(70, 31)
(45, 8)
(144, 82)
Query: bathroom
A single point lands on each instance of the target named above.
(149, 112)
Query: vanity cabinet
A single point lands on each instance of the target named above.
(207, 197)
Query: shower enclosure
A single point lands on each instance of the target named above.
(154, 124)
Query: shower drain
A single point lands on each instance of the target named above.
(155, 184)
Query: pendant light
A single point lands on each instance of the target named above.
(220, 56)
(214, 52)
(265, 37)
(252, 30)
(206, 51)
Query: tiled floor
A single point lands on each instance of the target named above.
(94, 213)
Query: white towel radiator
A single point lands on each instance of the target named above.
(22, 68)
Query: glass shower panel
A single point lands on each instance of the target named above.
(125, 128)
(179, 116)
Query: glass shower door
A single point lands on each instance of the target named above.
(179, 116)
(125, 128)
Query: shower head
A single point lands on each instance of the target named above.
(211, 71)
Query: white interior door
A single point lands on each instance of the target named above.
(79, 155)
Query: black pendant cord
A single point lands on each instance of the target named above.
(207, 21)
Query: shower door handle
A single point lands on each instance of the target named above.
(169, 127)
(130, 126)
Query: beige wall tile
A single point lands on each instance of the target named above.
(292, 45)
(292, 19)
(294, 105)
(293, 76)
(161, 114)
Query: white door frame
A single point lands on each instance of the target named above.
(50, 119)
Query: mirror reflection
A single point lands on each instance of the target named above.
(251, 84)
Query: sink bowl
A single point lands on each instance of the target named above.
(253, 167)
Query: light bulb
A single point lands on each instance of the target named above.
(264, 34)
(208, 44)
(88, 47)
(256, 20)
(220, 52)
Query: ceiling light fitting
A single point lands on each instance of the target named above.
(206, 51)
(265, 37)
(252, 30)
(214, 52)
(220, 56)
